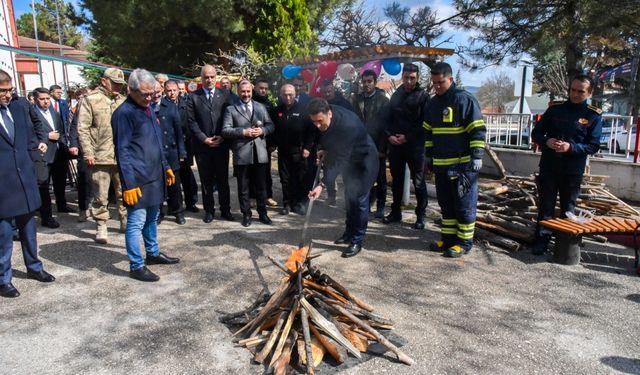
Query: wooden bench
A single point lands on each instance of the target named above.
(569, 235)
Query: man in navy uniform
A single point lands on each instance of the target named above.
(348, 149)
(454, 146)
(19, 196)
(567, 132)
(143, 170)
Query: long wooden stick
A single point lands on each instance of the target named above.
(274, 302)
(260, 357)
(285, 332)
(335, 285)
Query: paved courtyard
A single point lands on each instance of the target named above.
(491, 312)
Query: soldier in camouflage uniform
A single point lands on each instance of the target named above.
(96, 138)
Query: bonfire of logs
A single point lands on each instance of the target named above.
(507, 208)
(309, 315)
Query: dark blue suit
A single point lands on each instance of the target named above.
(174, 149)
(137, 136)
(350, 151)
(19, 196)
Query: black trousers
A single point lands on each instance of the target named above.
(189, 185)
(59, 173)
(552, 183)
(43, 173)
(412, 155)
(213, 167)
(174, 198)
(292, 169)
(251, 176)
(379, 191)
(84, 184)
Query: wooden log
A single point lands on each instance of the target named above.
(498, 190)
(502, 173)
(274, 302)
(496, 239)
(306, 334)
(361, 344)
(381, 339)
(285, 332)
(325, 289)
(326, 279)
(280, 367)
(527, 237)
(233, 318)
(266, 349)
(312, 356)
(336, 351)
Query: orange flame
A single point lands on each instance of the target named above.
(297, 256)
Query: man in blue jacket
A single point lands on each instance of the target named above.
(347, 149)
(143, 170)
(19, 196)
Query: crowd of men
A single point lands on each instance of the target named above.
(137, 151)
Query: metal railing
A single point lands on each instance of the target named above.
(508, 130)
(618, 136)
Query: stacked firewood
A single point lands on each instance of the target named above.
(309, 315)
(507, 208)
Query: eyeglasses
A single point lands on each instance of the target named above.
(146, 94)
(6, 91)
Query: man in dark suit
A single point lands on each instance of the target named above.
(206, 106)
(247, 124)
(19, 197)
(60, 167)
(143, 171)
(52, 123)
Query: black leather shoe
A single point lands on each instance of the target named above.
(343, 239)
(227, 216)
(331, 201)
(161, 259)
(299, 209)
(180, 219)
(419, 223)
(193, 209)
(42, 276)
(284, 210)
(66, 209)
(392, 217)
(208, 217)
(50, 223)
(9, 291)
(160, 218)
(143, 274)
(264, 219)
(352, 250)
(246, 220)
(379, 213)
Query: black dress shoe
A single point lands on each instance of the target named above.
(50, 223)
(66, 209)
(299, 209)
(284, 210)
(143, 274)
(352, 250)
(180, 219)
(42, 276)
(345, 238)
(264, 219)
(208, 217)
(392, 217)
(227, 216)
(161, 259)
(193, 209)
(246, 220)
(160, 219)
(419, 224)
(9, 291)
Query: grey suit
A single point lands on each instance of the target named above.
(250, 155)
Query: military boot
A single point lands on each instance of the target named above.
(101, 233)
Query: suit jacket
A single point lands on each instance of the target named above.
(19, 191)
(205, 117)
(64, 111)
(138, 147)
(52, 146)
(235, 121)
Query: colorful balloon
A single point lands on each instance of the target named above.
(347, 72)
(392, 66)
(375, 65)
(307, 75)
(290, 71)
(327, 69)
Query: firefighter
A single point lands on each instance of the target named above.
(454, 146)
(567, 133)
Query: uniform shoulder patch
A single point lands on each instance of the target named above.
(595, 109)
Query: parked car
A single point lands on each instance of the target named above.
(620, 142)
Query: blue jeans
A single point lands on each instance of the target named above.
(141, 221)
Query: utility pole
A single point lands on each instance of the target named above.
(64, 71)
(35, 31)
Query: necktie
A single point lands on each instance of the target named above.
(247, 109)
(8, 123)
(55, 105)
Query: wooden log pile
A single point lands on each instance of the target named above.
(308, 317)
(507, 208)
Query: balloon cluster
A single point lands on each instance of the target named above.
(327, 70)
